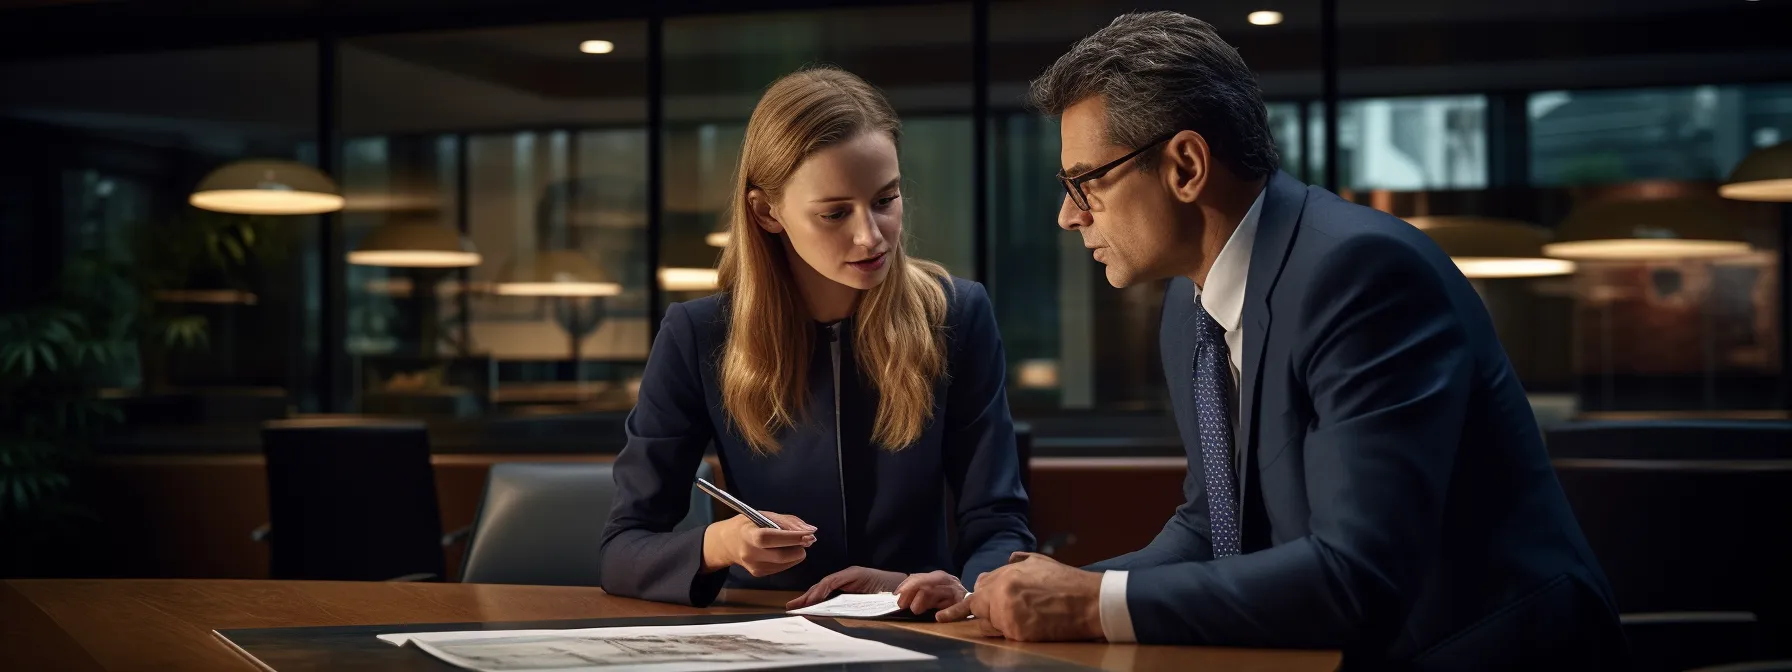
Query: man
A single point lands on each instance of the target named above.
(1365, 472)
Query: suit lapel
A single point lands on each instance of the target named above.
(1275, 234)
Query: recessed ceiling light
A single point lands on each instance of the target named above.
(1264, 18)
(597, 46)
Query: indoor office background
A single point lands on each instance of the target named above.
(505, 126)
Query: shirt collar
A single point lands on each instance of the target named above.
(1225, 281)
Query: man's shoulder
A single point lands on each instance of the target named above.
(1341, 223)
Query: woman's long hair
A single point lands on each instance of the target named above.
(899, 329)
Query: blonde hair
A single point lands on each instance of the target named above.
(899, 334)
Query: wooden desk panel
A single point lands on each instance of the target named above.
(1111, 506)
(175, 516)
(128, 624)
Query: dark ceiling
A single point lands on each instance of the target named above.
(521, 66)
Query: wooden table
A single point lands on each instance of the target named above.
(164, 624)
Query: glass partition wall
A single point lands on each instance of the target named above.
(523, 201)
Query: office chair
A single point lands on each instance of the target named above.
(1673, 440)
(1692, 545)
(543, 523)
(351, 499)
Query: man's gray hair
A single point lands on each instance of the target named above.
(1161, 72)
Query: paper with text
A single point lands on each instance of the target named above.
(751, 645)
(853, 605)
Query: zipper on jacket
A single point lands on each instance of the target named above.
(839, 452)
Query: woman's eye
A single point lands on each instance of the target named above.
(887, 200)
(834, 216)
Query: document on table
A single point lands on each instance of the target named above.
(853, 605)
(751, 645)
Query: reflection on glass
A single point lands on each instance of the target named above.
(1689, 133)
(530, 143)
(1413, 143)
(103, 154)
(1678, 335)
(716, 68)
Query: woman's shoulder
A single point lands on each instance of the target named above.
(699, 318)
(966, 300)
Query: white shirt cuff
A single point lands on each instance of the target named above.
(1116, 621)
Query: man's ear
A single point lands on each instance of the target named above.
(1187, 163)
(759, 207)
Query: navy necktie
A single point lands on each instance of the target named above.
(1213, 408)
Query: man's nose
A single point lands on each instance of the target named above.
(1070, 217)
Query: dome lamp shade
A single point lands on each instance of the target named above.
(267, 187)
(1764, 175)
(1681, 227)
(414, 245)
(556, 273)
(1488, 247)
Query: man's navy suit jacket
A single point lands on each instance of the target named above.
(1398, 502)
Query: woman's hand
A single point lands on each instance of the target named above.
(918, 593)
(761, 551)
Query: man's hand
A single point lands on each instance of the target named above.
(915, 592)
(1034, 599)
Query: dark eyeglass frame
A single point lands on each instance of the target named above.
(1073, 186)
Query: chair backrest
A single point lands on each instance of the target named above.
(543, 523)
(1689, 535)
(351, 500)
(1673, 440)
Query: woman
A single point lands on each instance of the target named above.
(848, 388)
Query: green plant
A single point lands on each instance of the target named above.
(49, 402)
(56, 358)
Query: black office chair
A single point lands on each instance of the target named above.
(351, 499)
(543, 523)
(1752, 666)
(1690, 536)
(1673, 440)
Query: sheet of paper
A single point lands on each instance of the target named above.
(752, 645)
(853, 605)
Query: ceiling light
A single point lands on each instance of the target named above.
(597, 46)
(1264, 18)
(689, 279)
(267, 187)
(1487, 247)
(414, 245)
(1764, 175)
(1657, 228)
(556, 273)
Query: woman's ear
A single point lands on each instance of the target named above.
(759, 207)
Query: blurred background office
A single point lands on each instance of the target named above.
(223, 221)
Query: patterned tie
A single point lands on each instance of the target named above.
(1213, 406)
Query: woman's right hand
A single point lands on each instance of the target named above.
(761, 551)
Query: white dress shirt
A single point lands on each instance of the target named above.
(1224, 300)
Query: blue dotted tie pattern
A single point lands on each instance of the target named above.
(1213, 408)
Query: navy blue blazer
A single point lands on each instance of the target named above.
(1398, 501)
(874, 507)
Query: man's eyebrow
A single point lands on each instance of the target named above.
(1078, 169)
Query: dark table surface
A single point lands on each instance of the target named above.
(132, 624)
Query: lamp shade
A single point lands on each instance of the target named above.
(1487, 247)
(267, 187)
(1660, 228)
(690, 279)
(1764, 175)
(556, 273)
(414, 245)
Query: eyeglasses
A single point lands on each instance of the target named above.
(1074, 185)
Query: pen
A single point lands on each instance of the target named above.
(739, 506)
